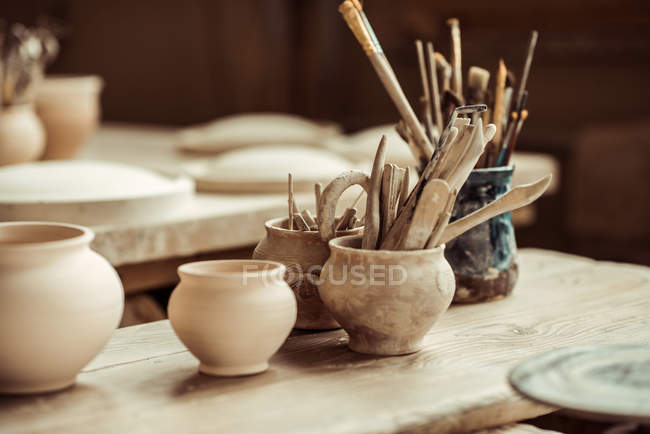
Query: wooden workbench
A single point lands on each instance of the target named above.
(145, 380)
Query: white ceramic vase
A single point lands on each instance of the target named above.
(22, 136)
(233, 315)
(59, 304)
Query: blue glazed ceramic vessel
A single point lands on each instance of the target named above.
(484, 259)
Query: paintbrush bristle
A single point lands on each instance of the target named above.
(478, 78)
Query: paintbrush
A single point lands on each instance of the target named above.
(426, 94)
(360, 27)
(524, 76)
(435, 90)
(456, 63)
(511, 148)
(443, 69)
(477, 85)
(499, 101)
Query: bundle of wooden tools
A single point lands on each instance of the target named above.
(305, 221)
(397, 219)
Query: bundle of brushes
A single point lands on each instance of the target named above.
(305, 221)
(24, 54)
(446, 156)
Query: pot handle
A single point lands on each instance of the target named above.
(330, 197)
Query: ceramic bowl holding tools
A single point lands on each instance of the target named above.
(233, 315)
(22, 137)
(59, 305)
(303, 253)
(386, 300)
(69, 107)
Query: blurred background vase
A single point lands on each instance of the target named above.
(22, 137)
(484, 259)
(70, 110)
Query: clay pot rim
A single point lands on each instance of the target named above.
(273, 224)
(218, 268)
(401, 253)
(71, 235)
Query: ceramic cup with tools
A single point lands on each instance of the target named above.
(484, 258)
(303, 253)
(233, 315)
(386, 300)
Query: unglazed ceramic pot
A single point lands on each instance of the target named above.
(69, 107)
(233, 315)
(59, 305)
(386, 300)
(303, 253)
(22, 137)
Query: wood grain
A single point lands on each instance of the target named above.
(145, 381)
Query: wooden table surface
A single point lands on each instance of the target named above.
(145, 380)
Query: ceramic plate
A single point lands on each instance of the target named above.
(604, 382)
(88, 192)
(265, 169)
(254, 129)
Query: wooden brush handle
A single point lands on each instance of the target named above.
(355, 23)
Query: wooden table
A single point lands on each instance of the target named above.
(145, 380)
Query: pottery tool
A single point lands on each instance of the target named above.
(309, 219)
(352, 13)
(331, 195)
(426, 93)
(456, 63)
(300, 222)
(518, 197)
(435, 90)
(403, 131)
(509, 140)
(428, 211)
(390, 191)
(290, 201)
(404, 189)
(444, 71)
(443, 221)
(318, 188)
(349, 212)
(372, 227)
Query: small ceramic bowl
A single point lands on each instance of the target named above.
(233, 315)
(386, 300)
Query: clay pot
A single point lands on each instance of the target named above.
(69, 108)
(233, 315)
(304, 253)
(22, 137)
(386, 300)
(59, 305)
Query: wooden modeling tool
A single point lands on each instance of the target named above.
(318, 189)
(435, 89)
(390, 192)
(360, 27)
(443, 221)
(428, 211)
(519, 196)
(349, 213)
(403, 131)
(372, 227)
(309, 219)
(300, 222)
(290, 201)
(456, 63)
